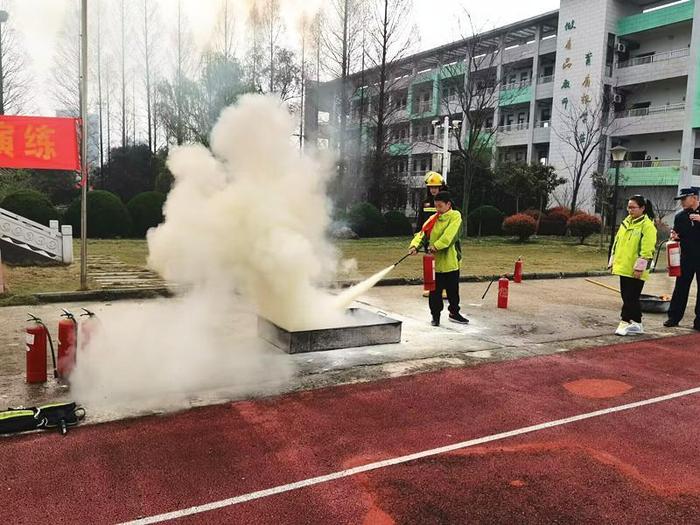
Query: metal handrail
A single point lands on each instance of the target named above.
(517, 85)
(651, 110)
(513, 127)
(657, 57)
(543, 124)
(648, 163)
(545, 79)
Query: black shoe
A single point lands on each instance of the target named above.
(458, 318)
(670, 323)
(435, 321)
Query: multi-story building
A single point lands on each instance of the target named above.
(640, 58)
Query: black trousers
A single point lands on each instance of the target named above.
(448, 281)
(631, 289)
(680, 293)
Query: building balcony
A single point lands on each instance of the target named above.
(665, 172)
(512, 135)
(669, 64)
(543, 131)
(545, 87)
(654, 119)
(399, 148)
(515, 95)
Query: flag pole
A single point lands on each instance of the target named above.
(84, 144)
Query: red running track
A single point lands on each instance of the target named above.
(636, 466)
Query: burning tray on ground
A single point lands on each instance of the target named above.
(364, 328)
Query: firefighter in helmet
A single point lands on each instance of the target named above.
(435, 184)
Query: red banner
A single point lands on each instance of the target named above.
(39, 143)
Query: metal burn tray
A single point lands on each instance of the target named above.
(368, 329)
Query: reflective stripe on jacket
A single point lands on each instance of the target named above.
(445, 238)
(635, 239)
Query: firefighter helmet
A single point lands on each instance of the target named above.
(433, 178)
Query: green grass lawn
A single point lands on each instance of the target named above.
(485, 256)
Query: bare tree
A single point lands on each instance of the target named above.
(340, 41)
(15, 85)
(65, 71)
(254, 55)
(472, 85)
(224, 33)
(100, 115)
(273, 27)
(391, 38)
(586, 125)
(150, 37)
(122, 49)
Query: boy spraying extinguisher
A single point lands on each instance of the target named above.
(441, 233)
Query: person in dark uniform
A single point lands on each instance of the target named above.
(435, 184)
(686, 229)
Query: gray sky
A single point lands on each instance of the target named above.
(38, 22)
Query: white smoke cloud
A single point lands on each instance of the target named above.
(245, 224)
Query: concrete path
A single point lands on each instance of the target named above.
(544, 317)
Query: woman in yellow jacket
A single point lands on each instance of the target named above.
(632, 253)
(441, 233)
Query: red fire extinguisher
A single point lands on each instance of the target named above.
(518, 273)
(429, 272)
(36, 336)
(67, 338)
(503, 292)
(673, 253)
(87, 329)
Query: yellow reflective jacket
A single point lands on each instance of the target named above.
(636, 239)
(445, 238)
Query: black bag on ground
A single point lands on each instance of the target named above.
(60, 415)
(56, 415)
(17, 420)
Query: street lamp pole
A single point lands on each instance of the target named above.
(445, 149)
(4, 15)
(618, 155)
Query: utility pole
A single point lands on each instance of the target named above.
(445, 149)
(84, 144)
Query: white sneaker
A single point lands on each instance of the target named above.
(635, 328)
(622, 328)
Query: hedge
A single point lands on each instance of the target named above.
(366, 220)
(31, 205)
(397, 224)
(485, 220)
(107, 216)
(582, 225)
(520, 225)
(146, 211)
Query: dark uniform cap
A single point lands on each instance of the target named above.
(687, 192)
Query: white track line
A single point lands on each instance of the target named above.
(198, 509)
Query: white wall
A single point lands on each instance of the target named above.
(670, 91)
(666, 146)
(663, 39)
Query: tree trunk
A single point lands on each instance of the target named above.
(148, 76)
(466, 193)
(99, 90)
(123, 32)
(378, 168)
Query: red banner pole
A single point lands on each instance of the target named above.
(84, 146)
